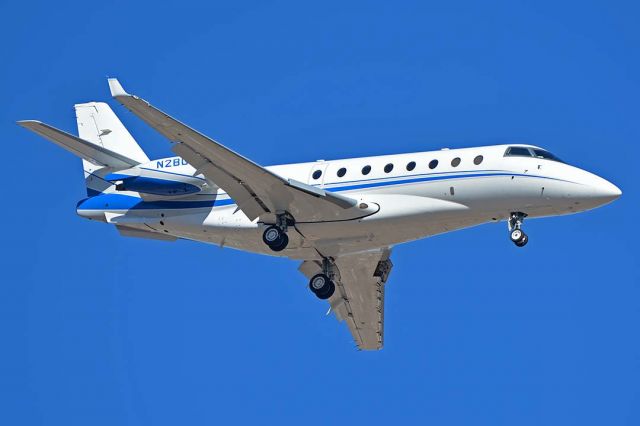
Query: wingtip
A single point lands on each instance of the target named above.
(27, 123)
(116, 88)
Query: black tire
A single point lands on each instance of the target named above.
(272, 236)
(331, 288)
(282, 243)
(322, 286)
(318, 283)
(523, 242)
(517, 235)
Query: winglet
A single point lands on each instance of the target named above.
(116, 88)
(28, 124)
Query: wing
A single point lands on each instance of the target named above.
(256, 190)
(359, 295)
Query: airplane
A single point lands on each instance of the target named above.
(340, 218)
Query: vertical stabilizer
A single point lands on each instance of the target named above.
(98, 124)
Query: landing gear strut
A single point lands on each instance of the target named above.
(517, 235)
(322, 284)
(275, 236)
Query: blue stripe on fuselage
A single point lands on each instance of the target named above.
(425, 179)
(127, 202)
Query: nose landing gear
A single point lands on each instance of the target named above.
(519, 238)
(517, 235)
(322, 284)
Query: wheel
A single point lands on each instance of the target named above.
(275, 238)
(281, 244)
(272, 235)
(517, 235)
(327, 294)
(523, 242)
(318, 282)
(322, 286)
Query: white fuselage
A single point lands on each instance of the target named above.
(398, 205)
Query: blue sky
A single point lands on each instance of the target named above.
(98, 329)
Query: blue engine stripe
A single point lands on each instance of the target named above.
(128, 202)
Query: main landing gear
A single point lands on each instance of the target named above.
(517, 235)
(275, 236)
(322, 284)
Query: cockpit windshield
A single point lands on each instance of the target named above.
(524, 151)
(518, 151)
(541, 153)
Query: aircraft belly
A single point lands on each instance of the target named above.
(400, 218)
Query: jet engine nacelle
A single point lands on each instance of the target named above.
(153, 182)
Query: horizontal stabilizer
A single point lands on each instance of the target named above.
(126, 231)
(89, 151)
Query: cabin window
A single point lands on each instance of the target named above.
(433, 164)
(518, 151)
(411, 165)
(366, 170)
(342, 172)
(455, 162)
(478, 160)
(388, 168)
(316, 175)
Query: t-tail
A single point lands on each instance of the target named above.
(103, 144)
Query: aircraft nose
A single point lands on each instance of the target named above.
(605, 191)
